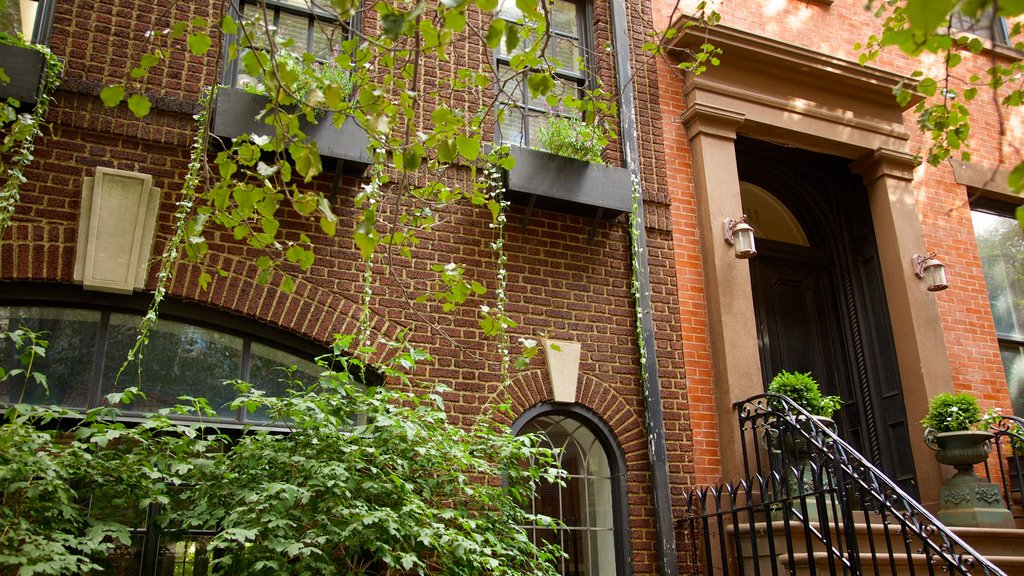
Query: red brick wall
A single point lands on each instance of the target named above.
(559, 285)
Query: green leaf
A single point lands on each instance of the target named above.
(366, 234)
(540, 84)
(927, 15)
(1016, 181)
(468, 147)
(139, 105)
(228, 25)
(393, 24)
(495, 32)
(112, 95)
(199, 43)
(204, 281)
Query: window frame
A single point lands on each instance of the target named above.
(229, 77)
(1004, 209)
(584, 79)
(616, 464)
(250, 331)
(967, 25)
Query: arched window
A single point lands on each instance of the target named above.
(192, 351)
(591, 504)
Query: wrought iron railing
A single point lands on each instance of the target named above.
(1008, 451)
(812, 504)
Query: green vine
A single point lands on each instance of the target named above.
(183, 225)
(635, 229)
(21, 131)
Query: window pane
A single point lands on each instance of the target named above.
(584, 503)
(1013, 365)
(534, 121)
(510, 127)
(987, 25)
(510, 86)
(564, 53)
(68, 364)
(327, 39)
(270, 371)
(294, 27)
(563, 18)
(1001, 247)
(19, 18)
(189, 556)
(179, 360)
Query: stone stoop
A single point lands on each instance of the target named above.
(1004, 547)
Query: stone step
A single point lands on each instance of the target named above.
(898, 566)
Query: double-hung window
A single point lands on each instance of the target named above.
(1001, 247)
(568, 50)
(295, 26)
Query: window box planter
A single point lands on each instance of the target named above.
(25, 67)
(236, 111)
(546, 180)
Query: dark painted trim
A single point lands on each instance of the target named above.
(25, 67)
(616, 464)
(654, 415)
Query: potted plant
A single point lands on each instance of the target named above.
(569, 171)
(243, 110)
(951, 429)
(803, 390)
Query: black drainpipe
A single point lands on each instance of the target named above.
(655, 419)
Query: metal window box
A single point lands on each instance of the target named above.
(25, 67)
(546, 180)
(236, 112)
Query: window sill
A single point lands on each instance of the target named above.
(235, 113)
(25, 67)
(568, 185)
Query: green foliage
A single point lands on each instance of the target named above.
(949, 412)
(31, 347)
(803, 389)
(918, 27)
(365, 478)
(20, 130)
(572, 138)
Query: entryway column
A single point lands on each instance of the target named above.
(914, 312)
(731, 323)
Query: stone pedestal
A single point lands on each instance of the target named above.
(969, 501)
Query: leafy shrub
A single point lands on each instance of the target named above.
(952, 412)
(803, 389)
(573, 138)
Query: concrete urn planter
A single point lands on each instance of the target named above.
(966, 499)
(961, 450)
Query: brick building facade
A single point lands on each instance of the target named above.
(569, 276)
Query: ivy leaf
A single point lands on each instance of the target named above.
(540, 84)
(112, 95)
(511, 37)
(228, 25)
(199, 43)
(307, 159)
(204, 281)
(287, 285)
(139, 105)
(366, 234)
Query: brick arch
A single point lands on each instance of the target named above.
(530, 388)
(311, 310)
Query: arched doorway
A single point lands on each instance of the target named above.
(818, 294)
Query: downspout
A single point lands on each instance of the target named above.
(654, 416)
